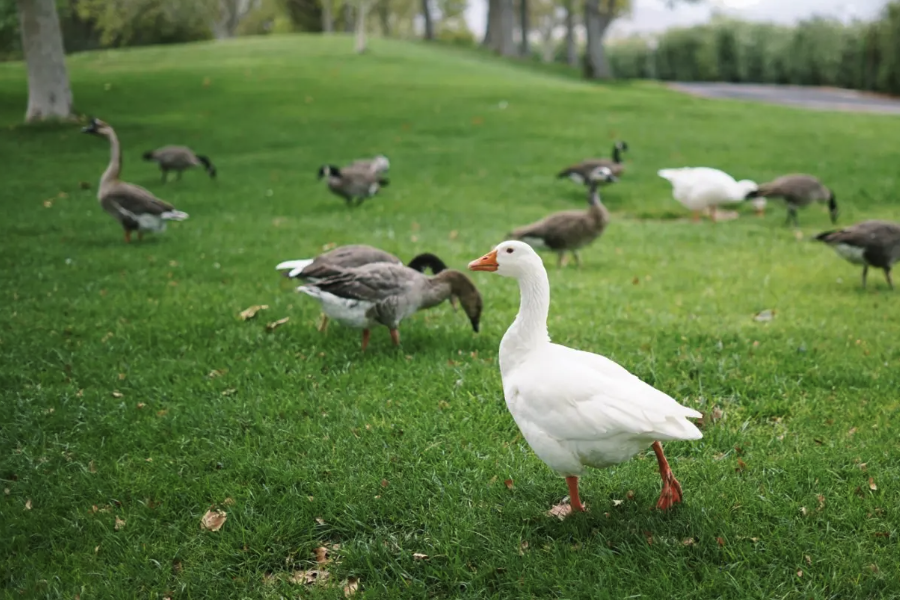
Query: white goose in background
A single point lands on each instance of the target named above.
(700, 188)
(574, 408)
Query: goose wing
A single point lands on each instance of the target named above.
(136, 200)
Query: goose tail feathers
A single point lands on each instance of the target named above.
(174, 215)
(294, 267)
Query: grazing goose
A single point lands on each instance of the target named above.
(386, 293)
(798, 190)
(178, 158)
(577, 409)
(378, 165)
(352, 183)
(569, 230)
(583, 171)
(870, 244)
(131, 205)
(698, 188)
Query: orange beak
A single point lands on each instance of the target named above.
(488, 262)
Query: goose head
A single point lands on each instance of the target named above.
(97, 127)
(329, 171)
(380, 163)
(509, 259)
(745, 188)
(462, 288)
(602, 175)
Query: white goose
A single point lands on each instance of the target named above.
(699, 188)
(577, 409)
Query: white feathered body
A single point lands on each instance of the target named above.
(346, 311)
(698, 188)
(577, 409)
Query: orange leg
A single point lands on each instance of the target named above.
(395, 336)
(323, 325)
(127, 236)
(365, 339)
(712, 213)
(572, 482)
(671, 489)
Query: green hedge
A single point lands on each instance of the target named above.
(820, 52)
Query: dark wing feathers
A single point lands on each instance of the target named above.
(335, 261)
(557, 230)
(372, 283)
(136, 200)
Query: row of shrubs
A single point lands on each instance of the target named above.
(864, 56)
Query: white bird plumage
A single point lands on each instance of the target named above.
(577, 409)
(700, 188)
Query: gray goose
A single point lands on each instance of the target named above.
(583, 171)
(352, 183)
(870, 244)
(798, 190)
(378, 165)
(135, 208)
(386, 293)
(569, 230)
(178, 159)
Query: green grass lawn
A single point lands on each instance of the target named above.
(132, 391)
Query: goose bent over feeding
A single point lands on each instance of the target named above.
(870, 244)
(135, 208)
(583, 171)
(352, 183)
(378, 165)
(178, 159)
(570, 230)
(577, 409)
(798, 190)
(699, 188)
(386, 293)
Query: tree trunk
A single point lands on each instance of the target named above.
(361, 26)
(490, 32)
(523, 18)
(571, 52)
(49, 95)
(327, 17)
(596, 66)
(548, 48)
(429, 25)
(384, 17)
(506, 42)
(348, 17)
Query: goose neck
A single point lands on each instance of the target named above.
(529, 330)
(115, 160)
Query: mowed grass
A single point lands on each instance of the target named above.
(131, 389)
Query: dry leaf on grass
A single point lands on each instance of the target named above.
(117, 394)
(310, 576)
(228, 392)
(249, 313)
(322, 555)
(803, 510)
(141, 405)
(121, 376)
(799, 573)
(560, 511)
(741, 466)
(720, 541)
(821, 500)
(419, 556)
(384, 483)
(351, 586)
(852, 431)
(227, 502)
(120, 523)
(523, 547)
(508, 483)
(320, 520)
(808, 559)
(689, 541)
(276, 324)
(217, 373)
(872, 485)
(28, 504)
(630, 495)
(764, 316)
(617, 502)
(213, 520)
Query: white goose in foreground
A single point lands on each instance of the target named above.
(699, 188)
(574, 408)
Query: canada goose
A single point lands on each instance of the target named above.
(569, 230)
(698, 188)
(378, 165)
(134, 207)
(582, 172)
(386, 293)
(178, 158)
(352, 183)
(870, 244)
(798, 190)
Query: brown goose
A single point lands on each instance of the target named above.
(569, 230)
(798, 190)
(178, 159)
(386, 293)
(870, 244)
(352, 183)
(134, 207)
(350, 256)
(583, 171)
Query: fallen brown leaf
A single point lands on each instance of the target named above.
(276, 324)
(807, 559)
(882, 534)
(162, 413)
(872, 485)
(508, 483)
(321, 555)
(454, 234)
(523, 547)
(649, 537)
(28, 504)
(689, 541)
(249, 313)
(320, 520)
(720, 541)
(213, 520)
(741, 466)
(310, 576)
(48, 203)
(821, 500)
(227, 502)
(630, 495)
(91, 467)
(852, 431)
(799, 573)
(803, 510)
(560, 511)
(862, 466)
(617, 502)
(120, 523)
(141, 405)
(121, 376)
(384, 483)
(419, 556)
(228, 392)
(117, 394)
(764, 316)
(217, 373)
(351, 586)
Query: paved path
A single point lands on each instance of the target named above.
(807, 97)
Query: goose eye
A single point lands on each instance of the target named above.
(509, 250)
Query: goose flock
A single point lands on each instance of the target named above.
(575, 409)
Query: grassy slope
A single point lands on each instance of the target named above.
(406, 451)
